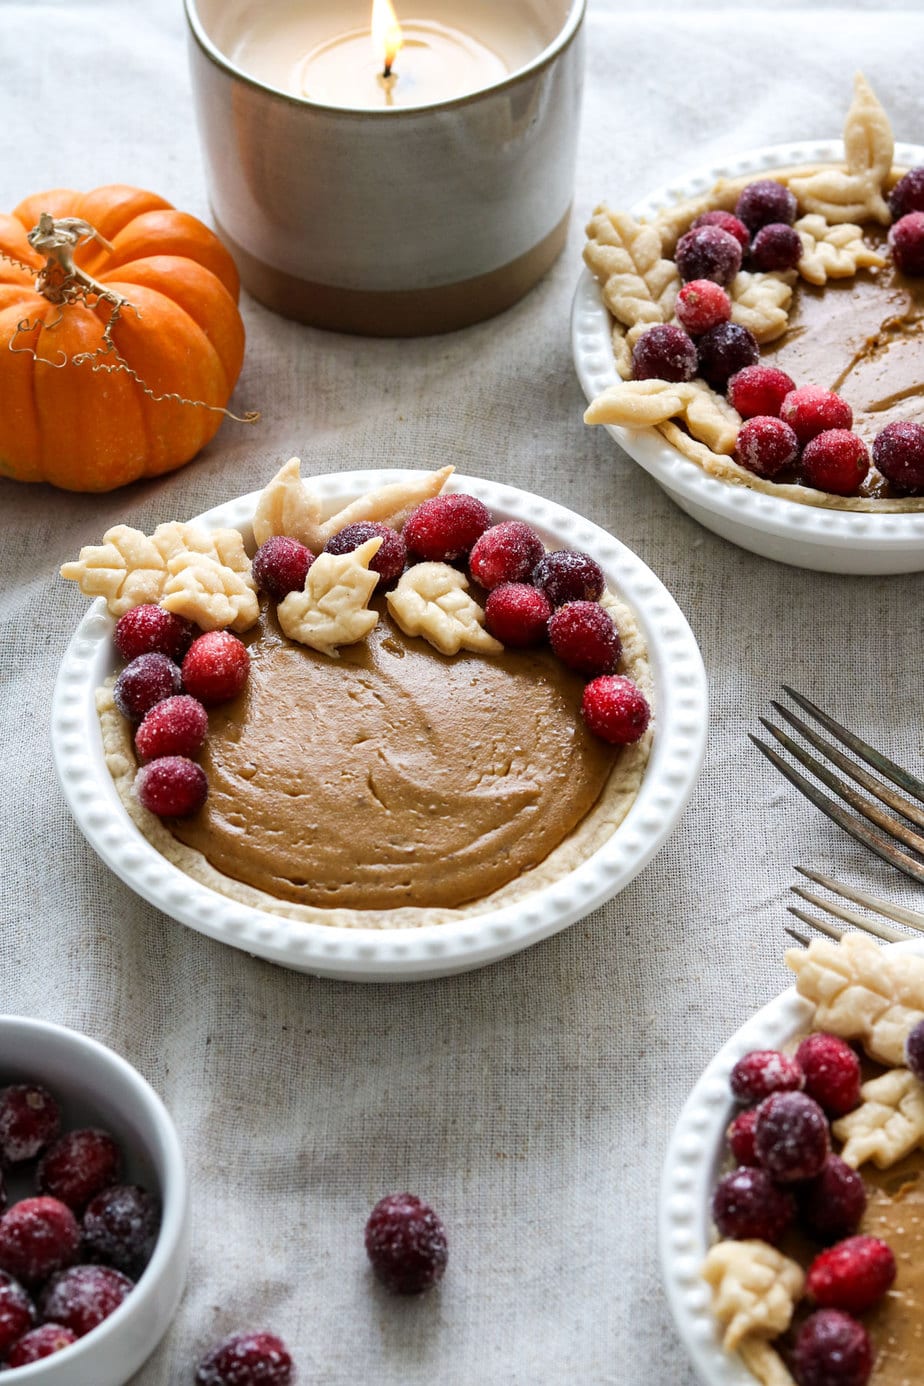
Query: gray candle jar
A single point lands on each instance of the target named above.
(392, 223)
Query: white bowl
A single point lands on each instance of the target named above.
(808, 536)
(680, 695)
(96, 1087)
(694, 1162)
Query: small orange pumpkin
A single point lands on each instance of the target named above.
(95, 422)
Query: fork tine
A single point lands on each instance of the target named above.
(901, 915)
(858, 921)
(873, 840)
(821, 925)
(800, 938)
(875, 758)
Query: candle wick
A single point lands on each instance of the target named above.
(387, 73)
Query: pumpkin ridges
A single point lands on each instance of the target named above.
(58, 201)
(173, 233)
(111, 208)
(13, 242)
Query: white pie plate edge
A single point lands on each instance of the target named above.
(694, 1159)
(807, 536)
(436, 950)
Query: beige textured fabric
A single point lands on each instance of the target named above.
(530, 1102)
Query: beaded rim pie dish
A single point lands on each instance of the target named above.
(427, 951)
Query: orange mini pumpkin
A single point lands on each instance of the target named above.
(81, 406)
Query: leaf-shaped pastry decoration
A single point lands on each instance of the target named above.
(225, 546)
(647, 403)
(833, 252)
(888, 1125)
(431, 600)
(671, 222)
(333, 608)
(760, 302)
(639, 285)
(210, 593)
(862, 992)
(853, 193)
(754, 1287)
(289, 506)
(764, 1362)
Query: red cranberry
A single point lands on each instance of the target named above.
(584, 638)
(247, 1359)
(569, 576)
(701, 304)
(708, 252)
(172, 787)
(615, 709)
(832, 1204)
(832, 1349)
(406, 1244)
(791, 1137)
(80, 1298)
(837, 462)
(30, 1119)
(832, 1073)
(147, 680)
(853, 1276)
(776, 247)
(728, 223)
(763, 1071)
(740, 1136)
(216, 667)
(747, 1205)
(150, 629)
(517, 615)
(120, 1228)
(280, 566)
(79, 1165)
(388, 562)
(725, 350)
(507, 552)
(906, 241)
(908, 194)
(765, 201)
(664, 352)
(175, 727)
(898, 452)
(17, 1312)
(41, 1342)
(810, 410)
(759, 390)
(38, 1236)
(445, 528)
(914, 1051)
(766, 446)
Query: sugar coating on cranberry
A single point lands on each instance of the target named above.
(30, 1119)
(832, 1073)
(149, 629)
(811, 410)
(83, 1296)
(908, 194)
(517, 615)
(507, 552)
(280, 566)
(766, 201)
(728, 222)
(41, 1342)
(776, 247)
(79, 1165)
(740, 1137)
(17, 1312)
(853, 1275)
(584, 638)
(664, 352)
(836, 461)
(791, 1137)
(898, 452)
(147, 680)
(391, 556)
(832, 1204)
(615, 709)
(406, 1244)
(247, 1359)
(120, 1228)
(38, 1236)
(702, 304)
(216, 667)
(708, 252)
(725, 350)
(566, 575)
(832, 1349)
(747, 1204)
(759, 390)
(763, 1071)
(906, 241)
(175, 727)
(914, 1051)
(172, 787)
(445, 527)
(766, 446)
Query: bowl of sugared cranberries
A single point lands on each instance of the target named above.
(94, 1226)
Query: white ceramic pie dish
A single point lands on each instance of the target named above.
(431, 951)
(807, 536)
(694, 1160)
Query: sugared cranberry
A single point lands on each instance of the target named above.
(747, 1204)
(120, 1228)
(80, 1298)
(725, 350)
(776, 247)
(30, 1119)
(17, 1312)
(664, 352)
(615, 709)
(810, 410)
(908, 194)
(446, 527)
(147, 680)
(914, 1051)
(584, 638)
(216, 667)
(832, 1204)
(766, 446)
(898, 452)
(569, 576)
(280, 566)
(837, 461)
(853, 1275)
(791, 1137)
(41, 1342)
(740, 1136)
(388, 562)
(766, 201)
(406, 1244)
(79, 1165)
(759, 390)
(702, 304)
(175, 727)
(38, 1236)
(517, 615)
(728, 223)
(763, 1071)
(708, 252)
(150, 629)
(906, 241)
(247, 1359)
(507, 552)
(832, 1349)
(832, 1073)
(172, 787)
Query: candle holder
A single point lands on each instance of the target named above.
(396, 221)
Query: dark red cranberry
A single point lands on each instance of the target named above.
(38, 1236)
(280, 566)
(81, 1297)
(79, 1165)
(740, 1136)
(811, 410)
(172, 787)
(149, 629)
(765, 201)
(17, 1312)
(584, 638)
(759, 390)
(446, 527)
(41, 1342)
(766, 446)
(914, 1051)
(388, 562)
(147, 680)
(837, 462)
(832, 1349)
(791, 1137)
(776, 247)
(664, 352)
(763, 1071)
(247, 1359)
(406, 1244)
(832, 1204)
(30, 1119)
(906, 241)
(708, 252)
(517, 614)
(908, 194)
(120, 1228)
(747, 1204)
(507, 552)
(898, 452)
(728, 223)
(725, 350)
(832, 1073)
(568, 576)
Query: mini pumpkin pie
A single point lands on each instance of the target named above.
(772, 330)
(386, 719)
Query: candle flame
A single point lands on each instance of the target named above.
(387, 37)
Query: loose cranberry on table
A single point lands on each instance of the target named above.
(832, 1349)
(898, 452)
(837, 461)
(702, 304)
(906, 242)
(30, 1119)
(763, 1071)
(216, 667)
(908, 194)
(766, 446)
(172, 787)
(391, 557)
(664, 352)
(38, 1236)
(740, 1137)
(176, 727)
(791, 1137)
(507, 552)
(914, 1051)
(567, 575)
(445, 528)
(810, 410)
(79, 1165)
(81, 1297)
(147, 680)
(759, 390)
(853, 1275)
(149, 629)
(40, 1342)
(832, 1073)
(832, 1204)
(17, 1312)
(747, 1204)
(725, 350)
(517, 615)
(615, 709)
(247, 1359)
(584, 638)
(406, 1244)
(766, 201)
(776, 247)
(280, 566)
(728, 222)
(120, 1228)
(708, 252)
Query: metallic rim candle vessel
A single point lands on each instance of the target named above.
(400, 222)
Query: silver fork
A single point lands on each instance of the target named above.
(912, 919)
(887, 830)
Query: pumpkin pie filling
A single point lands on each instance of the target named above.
(895, 1213)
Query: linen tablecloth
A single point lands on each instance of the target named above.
(530, 1102)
